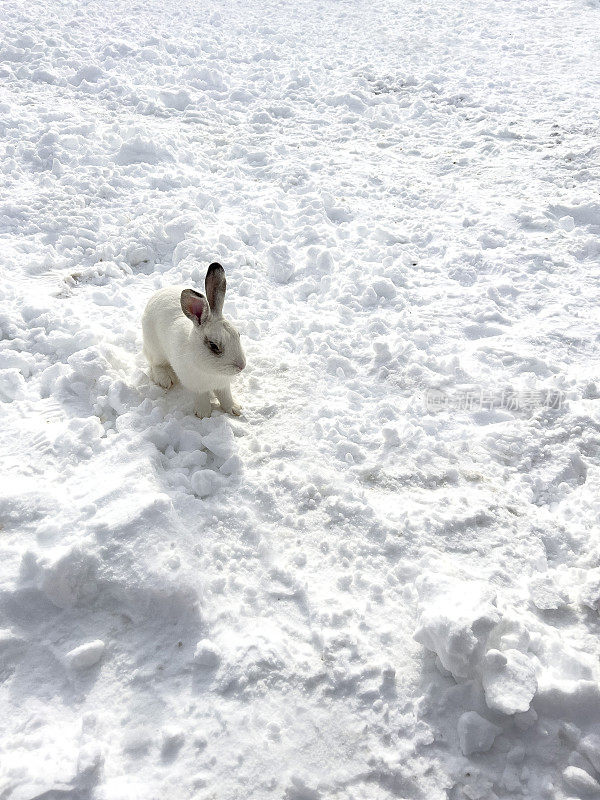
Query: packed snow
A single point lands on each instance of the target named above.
(382, 580)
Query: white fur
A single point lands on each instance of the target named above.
(175, 347)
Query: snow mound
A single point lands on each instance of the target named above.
(456, 625)
(462, 625)
(509, 680)
(139, 150)
(177, 99)
(207, 654)
(515, 679)
(86, 655)
(279, 263)
(67, 579)
(476, 734)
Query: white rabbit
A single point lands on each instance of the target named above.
(187, 337)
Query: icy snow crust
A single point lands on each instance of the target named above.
(342, 594)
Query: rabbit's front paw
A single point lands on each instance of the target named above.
(163, 376)
(227, 403)
(203, 406)
(231, 408)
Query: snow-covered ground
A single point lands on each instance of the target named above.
(383, 580)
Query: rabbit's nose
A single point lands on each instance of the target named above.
(241, 364)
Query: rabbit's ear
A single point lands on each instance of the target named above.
(215, 286)
(195, 306)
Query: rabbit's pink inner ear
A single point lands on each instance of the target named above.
(198, 309)
(194, 306)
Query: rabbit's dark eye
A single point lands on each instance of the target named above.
(215, 348)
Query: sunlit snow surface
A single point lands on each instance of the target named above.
(383, 580)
